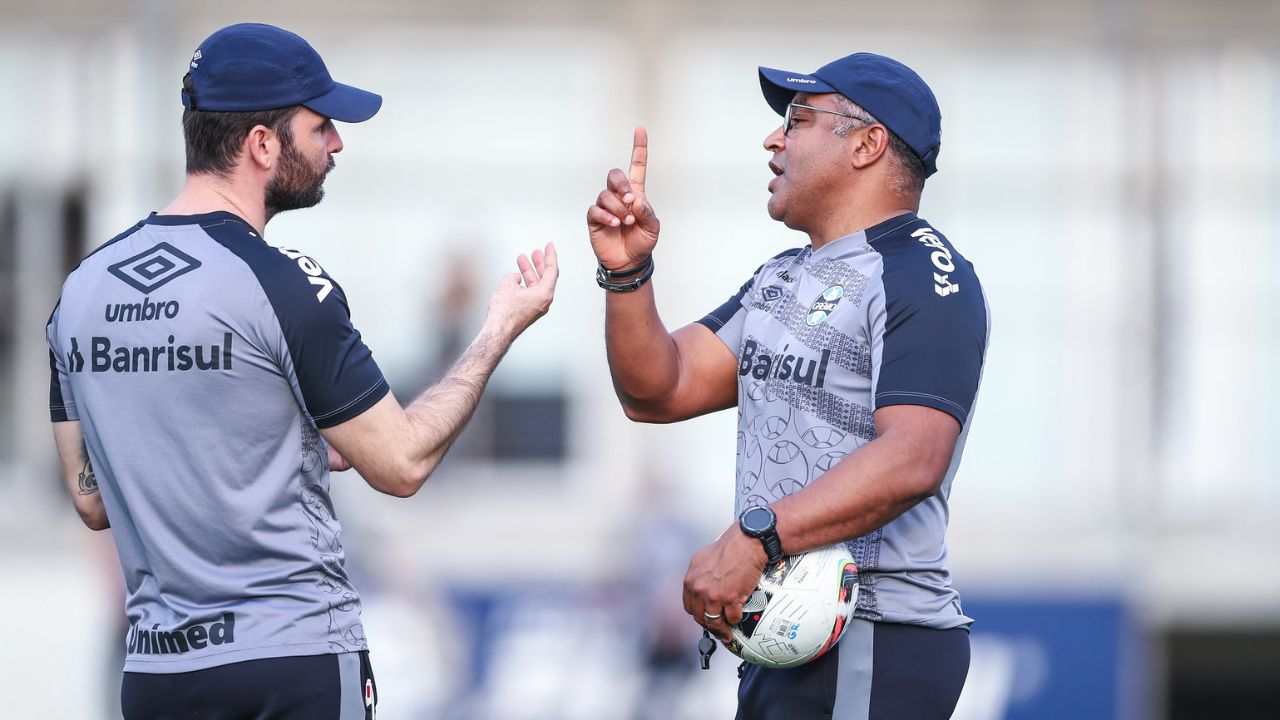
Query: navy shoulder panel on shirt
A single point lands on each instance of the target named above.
(334, 368)
(935, 326)
(716, 319)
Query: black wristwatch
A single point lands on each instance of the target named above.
(760, 522)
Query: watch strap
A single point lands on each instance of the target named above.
(768, 536)
(772, 546)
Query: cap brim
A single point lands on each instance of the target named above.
(346, 104)
(780, 86)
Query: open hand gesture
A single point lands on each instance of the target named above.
(623, 226)
(523, 297)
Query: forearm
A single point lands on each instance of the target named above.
(79, 476)
(643, 358)
(438, 415)
(877, 483)
(395, 449)
(88, 500)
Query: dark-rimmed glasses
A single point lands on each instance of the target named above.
(790, 115)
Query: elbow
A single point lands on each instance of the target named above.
(922, 468)
(924, 490)
(95, 520)
(404, 490)
(644, 412)
(92, 512)
(643, 416)
(636, 413)
(403, 481)
(404, 486)
(924, 482)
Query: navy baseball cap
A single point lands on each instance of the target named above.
(250, 67)
(886, 88)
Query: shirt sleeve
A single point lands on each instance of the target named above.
(62, 403)
(929, 329)
(726, 321)
(335, 370)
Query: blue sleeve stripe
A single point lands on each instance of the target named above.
(366, 400)
(57, 406)
(937, 402)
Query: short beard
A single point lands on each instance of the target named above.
(295, 185)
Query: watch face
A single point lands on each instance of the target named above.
(757, 519)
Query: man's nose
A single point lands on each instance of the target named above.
(776, 140)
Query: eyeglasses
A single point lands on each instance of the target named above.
(789, 118)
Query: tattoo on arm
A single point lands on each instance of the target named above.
(88, 481)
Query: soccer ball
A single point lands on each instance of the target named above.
(799, 610)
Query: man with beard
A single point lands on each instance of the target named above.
(854, 363)
(200, 413)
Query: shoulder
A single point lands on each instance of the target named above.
(293, 281)
(768, 271)
(782, 260)
(774, 267)
(100, 252)
(921, 265)
(739, 301)
(933, 322)
(103, 250)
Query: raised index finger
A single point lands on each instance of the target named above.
(639, 159)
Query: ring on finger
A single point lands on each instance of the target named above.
(711, 616)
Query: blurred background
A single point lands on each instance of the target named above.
(1111, 168)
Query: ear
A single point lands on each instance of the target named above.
(262, 147)
(869, 143)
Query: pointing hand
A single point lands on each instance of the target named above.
(622, 223)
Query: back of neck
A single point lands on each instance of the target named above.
(210, 193)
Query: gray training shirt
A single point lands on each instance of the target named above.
(200, 362)
(891, 315)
